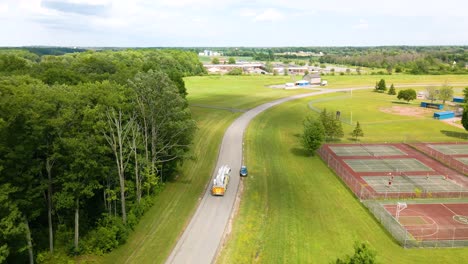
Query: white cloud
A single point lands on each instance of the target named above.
(363, 24)
(269, 15)
(247, 12)
(3, 7)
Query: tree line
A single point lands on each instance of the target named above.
(86, 141)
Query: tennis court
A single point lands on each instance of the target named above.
(415, 175)
(450, 149)
(463, 160)
(433, 223)
(366, 150)
(408, 184)
(386, 165)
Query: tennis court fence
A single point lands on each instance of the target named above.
(443, 158)
(419, 237)
(364, 192)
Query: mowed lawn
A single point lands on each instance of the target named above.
(376, 112)
(238, 92)
(295, 210)
(340, 81)
(158, 231)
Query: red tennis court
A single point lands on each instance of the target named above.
(433, 221)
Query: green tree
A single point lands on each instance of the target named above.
(11, 224)
(235, 71)
(231, 60)
(332, 125)
(215, 60)
(432, 93)
(465, 109)
(407, 95)
(269, 67)
(392, 90)
(363, 254)
(313, 135)
(380, 86)
(445, 92)
(357, 132)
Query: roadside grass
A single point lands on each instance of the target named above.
(295, 210)
(158, 230)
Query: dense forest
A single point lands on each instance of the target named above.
(408, 59)
(86, 141)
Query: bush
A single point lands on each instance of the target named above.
(236, 71)
(58, 257)
(110, 233)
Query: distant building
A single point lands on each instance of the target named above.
(209, 53)
(313, 78)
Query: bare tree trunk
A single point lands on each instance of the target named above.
(116, 137)
(29, 241)
(77, 224)
(137, 178)
(49, 166)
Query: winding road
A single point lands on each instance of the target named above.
(203, 236)
(201, 239)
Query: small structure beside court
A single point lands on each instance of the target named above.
(444, 115)
(458, 99)
(432, 105)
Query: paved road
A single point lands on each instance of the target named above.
(201, 239)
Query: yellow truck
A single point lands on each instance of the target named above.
(221, 181)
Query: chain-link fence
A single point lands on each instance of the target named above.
(410, 237)
(419, 237)
(365, 192)
(444, 158)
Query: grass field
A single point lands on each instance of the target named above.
(158, 230)
(295, 210)
(239, 92)
(338, 81)
(367, 108)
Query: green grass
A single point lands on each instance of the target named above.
(157, 232)
(159, 229)
(295, 210)
(339, 81)
(240, 92)
(364, 106)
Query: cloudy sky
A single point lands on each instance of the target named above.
(128, 23)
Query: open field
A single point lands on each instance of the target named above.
(380, 120)
(237, 92)
(339, 81)
(158, 229)
(157, 232)
(295, 210)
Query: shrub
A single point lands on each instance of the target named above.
(236, 71)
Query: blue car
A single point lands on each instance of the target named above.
(243, 171)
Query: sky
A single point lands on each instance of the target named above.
(233, 23)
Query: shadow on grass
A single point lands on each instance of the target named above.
(455, 134)
(300, 152)
(400, 102)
